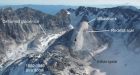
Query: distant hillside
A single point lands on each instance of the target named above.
(50, 9)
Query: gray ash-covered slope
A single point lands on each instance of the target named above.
(125, 17)
(14, 34)
(70, 54)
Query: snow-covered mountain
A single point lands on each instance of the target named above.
(26, 30)
(124, 47)
(121, 17)
(73, 42)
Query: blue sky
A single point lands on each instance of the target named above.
(71, 2)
